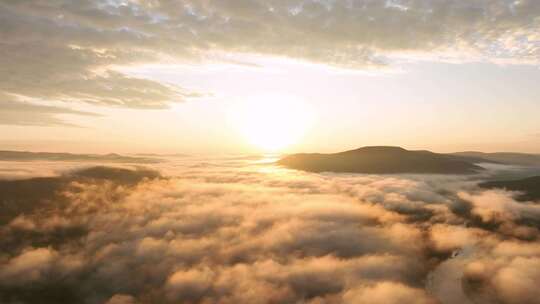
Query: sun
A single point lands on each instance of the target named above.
(272, 122)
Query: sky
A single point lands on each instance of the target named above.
(248, 76)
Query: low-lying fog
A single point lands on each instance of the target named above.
(242, 230)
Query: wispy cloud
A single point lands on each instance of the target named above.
(16, 112)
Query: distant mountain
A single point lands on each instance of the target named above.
(530, 187)
(179, 155)
(381, 160)
(509, 158)
(48, 156)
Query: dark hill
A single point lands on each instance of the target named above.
(530, 187)
(24, 196)
(380, 160)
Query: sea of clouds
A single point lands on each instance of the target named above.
(235, 230)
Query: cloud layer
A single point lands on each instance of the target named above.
(236, 233)
(70, 50)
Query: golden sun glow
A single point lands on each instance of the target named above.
(272, 122)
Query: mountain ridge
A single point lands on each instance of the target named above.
(512, 158)
(380, 160)
(7, 155)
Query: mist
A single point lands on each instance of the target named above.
(243, 231)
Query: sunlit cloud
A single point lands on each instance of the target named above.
(16, 112)
(233, 233)
(66, 50)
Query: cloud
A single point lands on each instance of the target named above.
(121, 299)
(44, 56)
(505, 273)
(28, 266)
(238, 234)
(493, 205)
(71, 50)
(15, 112)
(388, 292)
